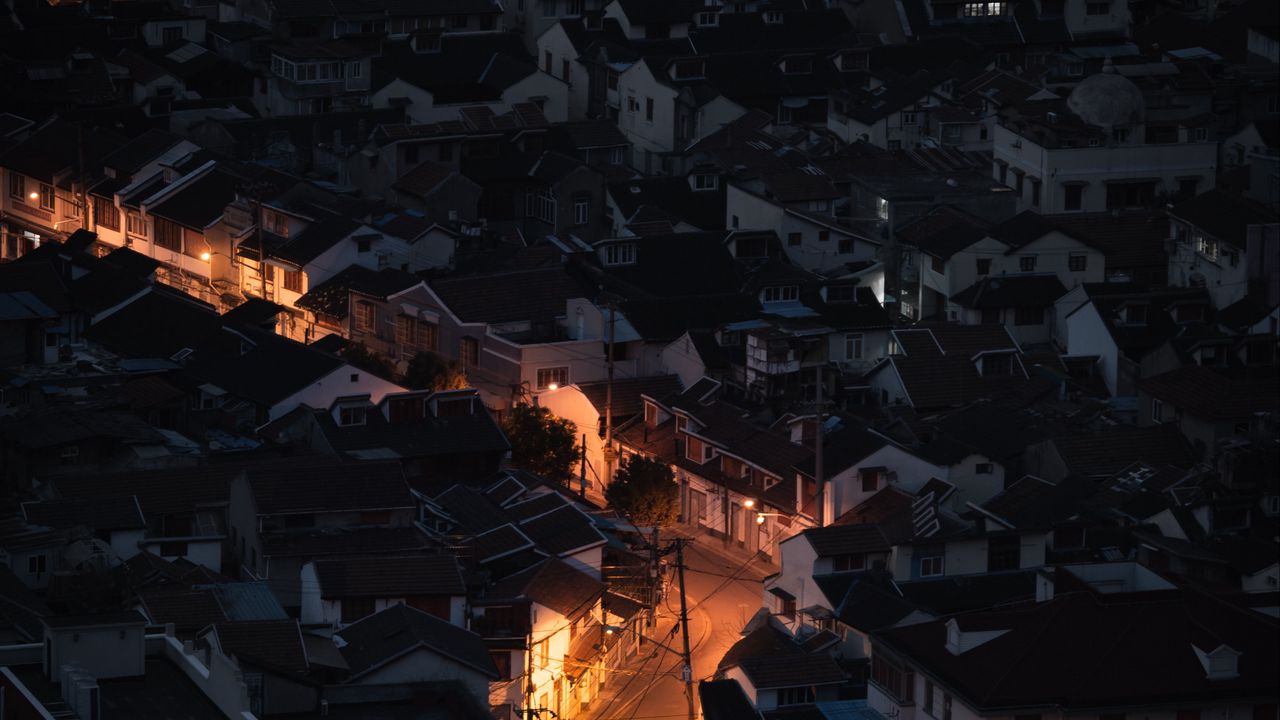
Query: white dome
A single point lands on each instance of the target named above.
(1108, 100)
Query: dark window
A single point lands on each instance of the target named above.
(983, 469)
(18, 186)
(794, 239)
(796, 696)
(168, 234)
(354, 609)
(937, 264)
(1035, 193)
(411, 155)
(1028, 316)
(788, 608)
(648, 109)
(1073, 197)
(546, 62)
(870, 480)
(846, 563)
(1003, 553)
(984, 266)
(824, 235)
(1077, 263)
(46, 197)
(469, 352)
(1027, 263)
(892, 678)
(845, 245)
(1130, 195)
(503, 662)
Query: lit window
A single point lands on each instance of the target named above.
(46, 197)
(557, 376)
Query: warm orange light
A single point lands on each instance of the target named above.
(760, 519)
(205, 256)
(553, 386)
(34, 195)
(748, 503)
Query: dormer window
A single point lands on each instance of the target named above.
(780, 293)
(620, 254)
(708, 19)
(705, 181)
(349, 415)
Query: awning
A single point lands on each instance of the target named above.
(780, 593)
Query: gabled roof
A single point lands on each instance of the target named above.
(269, 644)
(1211, 394)
(535, 294)
(966, 341)
(321, 485)
(943, 231)
(1125, 652)
(1224, 215)
(333, 296)
(551, 583)
(1034, 504)
(1107, 452)
(388, 576)
(627, 392)
(386, 636)
(326, 230)
(845, 448)
(1011, 291)
(855, 539)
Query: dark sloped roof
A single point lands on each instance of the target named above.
(270, 644)
(1105, 453)
(61, 425)
(1034, 504)
(119, 513)
(872, 605)
(943, 232)
(725, 700)
(188, 610)
(1011, 291)
(327, 230)
(847, 540)
(399, 629)
(550, 583)
(1224, 215)
(1211, 394)
(780, 671)
(844, 448)
(962, 593)
(346, 541)
(535, 294)
(199, 203)
(322, 485)
(564, 530)
(382, 576)
(627, 392)
(1125, 652)
(449, 435)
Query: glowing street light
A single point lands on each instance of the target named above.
(748, 504)
(205, 256)
(34, 195)
(553, 386)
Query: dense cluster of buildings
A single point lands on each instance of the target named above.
(964, 316)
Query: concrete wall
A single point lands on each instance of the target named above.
(1088, 335)
(422, 665)
(346, 380)
(115, 651)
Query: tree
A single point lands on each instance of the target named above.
(429, 371)
(645, 492)
(360, 357)
(542, 443)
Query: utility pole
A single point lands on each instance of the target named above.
(687, 673)
(655, 575)
(84, 189)
(608, 398)
(817, 450)
(582, 469)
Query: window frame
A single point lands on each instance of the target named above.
(557, 375)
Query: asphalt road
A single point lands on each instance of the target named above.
(724, 591)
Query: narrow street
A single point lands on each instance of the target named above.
(724, 590)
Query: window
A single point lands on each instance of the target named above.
(1097, 8)
(796, 696)
(168, 234)
(546, 62)
(705, 181)
(853, 346)
(782, 293)
(1028, 316)
(870, 480)
(946, 706)
(351, 415)
(932, 565)
(135, 225)
(354, 609)
(795, 239)
(581, 211)
(46, 197)
(648, 109)
(615, 156)
(18, 186)
(891, 677)
(928, 696)
(620, 254)
(1207, 246)
(1077, 263)
(541, 205)
(566, 70)
(1130, 194)
(293, 280)
(557, 376)
(171, 34)
(1035, 193)
(849, 563)
(789, 608)
(366, 316)
(1003, 553)
(844, 246)
(37, 565)
(937, 264)
(708, 19)
(824, 236)
(1027, 263)
(1135, 314)
(502, 660)
(469, 352)
(984, 266)
(105, 213)
(983, 469)
(1157, 411)
(773, 17)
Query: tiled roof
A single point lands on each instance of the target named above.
(332, 297)
(844, 448)
(1105, 453)
(550, 583)
(345, 541)
(1034, 504)
(423, 179)
(847, 540)
(322, 485)
(387, 635)
(270, 644)
(188, 610)
(498, 542)
(1011, 291)
(1225, 215)
(384, 576)
(119, 513)
(1211, 394)
(943, 232)
(627, 392)
(964, 593)
(1126, 652)
(537, 294)
(446, 436)
(872, 605)
(782, 671)
(563, 531)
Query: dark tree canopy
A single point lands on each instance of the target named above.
(362, 358)
(645, 492)
(542, 443)
(429, 371)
